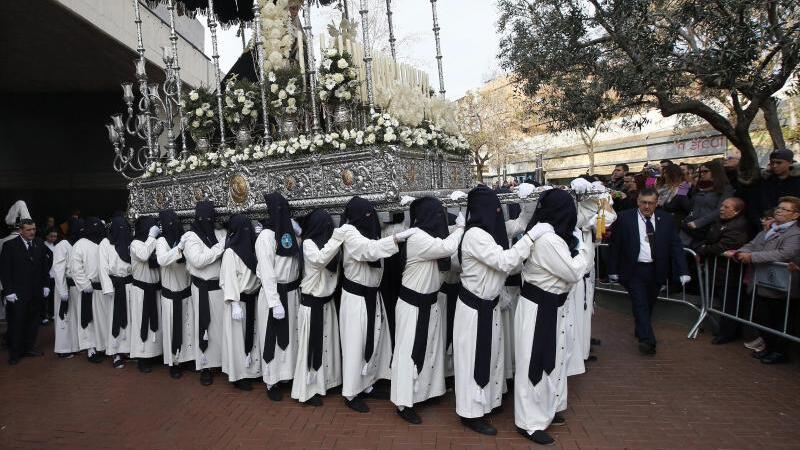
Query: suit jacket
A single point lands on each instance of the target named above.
(624, 250)
(24, 273)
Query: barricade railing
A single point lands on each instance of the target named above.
(696, 302)
(732, 292)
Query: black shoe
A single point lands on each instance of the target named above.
(119, 362)
(594, 341)
(410, 416)
(65, 355)
(175, 372)
(761, 354)
(499, 409)
(591, 358)
(357, 405)
(479, 425)
(773, 358)
(96, 358)
(647, 349)
(143, 366)
(558, 421)
(206, 379)
(719, 340)
(33, 353)
(378, 394)
(314, 401)
(13, 361)
(275, 394)
(243, 385)
(540, 437)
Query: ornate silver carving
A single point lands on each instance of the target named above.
(436, 29)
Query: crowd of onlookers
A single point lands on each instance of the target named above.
(740, 226)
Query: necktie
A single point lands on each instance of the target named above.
(651, 237)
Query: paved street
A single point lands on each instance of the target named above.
(690, 395)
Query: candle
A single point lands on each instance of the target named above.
(301, 58)
(339, 43)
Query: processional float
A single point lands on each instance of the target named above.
(319, 128)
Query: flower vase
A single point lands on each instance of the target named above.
(288, 126)
(341, 117)
(202, 144)
(243, 136)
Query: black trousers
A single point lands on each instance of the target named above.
(23, 325)
(770, 312)
(643, 291)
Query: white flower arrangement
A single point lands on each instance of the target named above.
(242, 103)
(337, 78)
(200, 114)
(277, 34)
(284, 94)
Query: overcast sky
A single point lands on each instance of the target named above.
(468, 35)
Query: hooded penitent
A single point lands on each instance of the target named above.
(279, 220)
(318, 227)
(484, 212)
(361, 214)
(428, 214)
(203, 225)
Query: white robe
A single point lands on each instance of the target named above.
(203, 262)
(235, 278)
(66, 331)
(421, 274)
(318, 281)
(85, 267)
(152, 346)
(273, 269)
(111, 265)
(484, 268)
(175, 277)
(551, 268)
(357, 375)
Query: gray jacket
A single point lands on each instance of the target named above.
(705, 206)
(784, 248)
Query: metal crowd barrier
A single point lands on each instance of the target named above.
(746, 281)
(696, 302)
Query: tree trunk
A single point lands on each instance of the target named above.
(591, 159)
(748, 164)
(770, 110)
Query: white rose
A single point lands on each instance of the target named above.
(327, 64)
(229, 103)
(254, 114)
(331, 52)
(282, 94)
(323, 95)
(291, 102)
(245, 112)
(241, 99)
(209, 113)
(342, 64)
(194, 95)
(291, 89)
(195, 124)
(199, 112)
(274, 88)
(272, 77)
(338, 77)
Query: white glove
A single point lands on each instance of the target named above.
(297, 230)
(259, 228)
(65, 297)
(403, 235)
(406, 200)
(525, 189)
(613, 278)
(154, 231)
(580, 185)
(278, 312)
(236, 311)
(598, 186)
(579, 236)
(88, 290)
(46, 292)
(457, 195)
(685, 279)
(461, 221)
(540, 229)
(11, 298)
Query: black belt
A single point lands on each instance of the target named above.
(86, 306)
(423, 303)
(483, 336)
(451, 291)
(63, 307)
(119, 317)
(204, 310)
(149, 307)
(249, 301)
(514, 280)
(586, 290)
(543, 352)
(177, 314)
(370, 295)
(315, 328)
(278, 330)
(70, 282)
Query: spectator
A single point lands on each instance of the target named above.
(617, 181)
(664, 163)
(729, 231)
(49, 224)
(673, 195)
(781, 243)
(688, 172)
(781, 178)
(627, 199)
(711, 189)
(767, 219)
(51, 239)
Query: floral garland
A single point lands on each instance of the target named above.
(278, 34)
(284, 93)
(242, 102)
(200, 114)
(337, 78)
(384, 130)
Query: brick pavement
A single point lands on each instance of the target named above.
(690, 395)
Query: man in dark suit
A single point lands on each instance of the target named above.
(644, 245)
(24, 268)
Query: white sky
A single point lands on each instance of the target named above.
(468, 36)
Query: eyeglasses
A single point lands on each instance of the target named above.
(781, 208)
